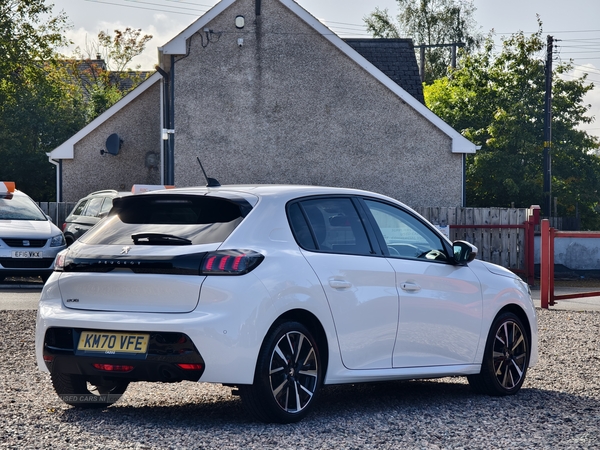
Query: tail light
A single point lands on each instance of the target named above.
(230, 262)
(64, 226)
(59, 262)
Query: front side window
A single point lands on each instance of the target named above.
(405, 235)
(78, 210)
(330, 225)
(168, 220)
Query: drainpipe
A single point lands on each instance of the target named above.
(161, 144)
(167, 130)
(171, 151)
(464, 180)
(58, 165)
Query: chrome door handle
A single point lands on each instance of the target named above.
(339, 284)
(410, 287)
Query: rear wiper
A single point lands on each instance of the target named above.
(159, 239)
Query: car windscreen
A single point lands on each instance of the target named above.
(168, 219)
(17, 207)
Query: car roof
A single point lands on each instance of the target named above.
(109, 192)
(282, 191)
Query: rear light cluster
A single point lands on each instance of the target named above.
(230, 262)
(221, 262)
(59, 261)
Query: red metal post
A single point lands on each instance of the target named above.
(545, 264)
(551, 266)
(530, 244)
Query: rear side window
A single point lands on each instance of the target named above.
(330, 225)
(197, 219)
(300, 227)
(93, 207)
(106, 206)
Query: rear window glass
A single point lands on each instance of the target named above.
(199, 219)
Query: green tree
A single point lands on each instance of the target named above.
(497, 101)
(430, 22)
(38, 110)
(102, 70)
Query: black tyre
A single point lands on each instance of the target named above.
(75, 390)
(287, 378)
(506, 358)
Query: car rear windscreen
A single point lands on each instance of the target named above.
(168, 219)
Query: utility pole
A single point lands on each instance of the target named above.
(422, 48)
(547, 157)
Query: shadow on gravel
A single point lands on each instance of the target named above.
(448, 402)
(22, 281)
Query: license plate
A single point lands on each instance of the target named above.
(21, 254)
(108, 342)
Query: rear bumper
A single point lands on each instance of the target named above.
(161, 362)
(222, 329)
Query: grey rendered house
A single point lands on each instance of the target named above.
(262, 92)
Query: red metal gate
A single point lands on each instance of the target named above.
(547, 295)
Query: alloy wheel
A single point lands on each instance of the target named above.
(293, 372)
(509, 354)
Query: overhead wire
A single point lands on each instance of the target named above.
(577, 46)
(174, 10)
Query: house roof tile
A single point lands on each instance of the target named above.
(395, 58)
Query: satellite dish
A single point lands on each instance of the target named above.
(113, 144)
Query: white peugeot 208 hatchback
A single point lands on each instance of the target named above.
(276, 291)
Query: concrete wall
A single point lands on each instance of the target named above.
(289, 107)
(574, 253)
(138, 124)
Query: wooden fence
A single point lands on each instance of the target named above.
(503, 245)
(58, 212)
(498, 233)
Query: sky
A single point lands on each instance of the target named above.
(574, 23)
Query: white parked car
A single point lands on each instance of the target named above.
(29, 241)
(276, 290)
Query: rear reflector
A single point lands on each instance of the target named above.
(48, 358)
(190, 366)
(112, 368)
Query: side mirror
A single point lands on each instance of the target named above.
(464, 252)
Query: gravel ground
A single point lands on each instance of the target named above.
(558, 406)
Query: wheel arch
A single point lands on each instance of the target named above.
(520, 313)
(310, 321)
(69, 239)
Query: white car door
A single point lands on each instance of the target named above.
(440, 303)
(360, 286)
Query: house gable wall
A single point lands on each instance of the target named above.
(289, 107)
(138, 124)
